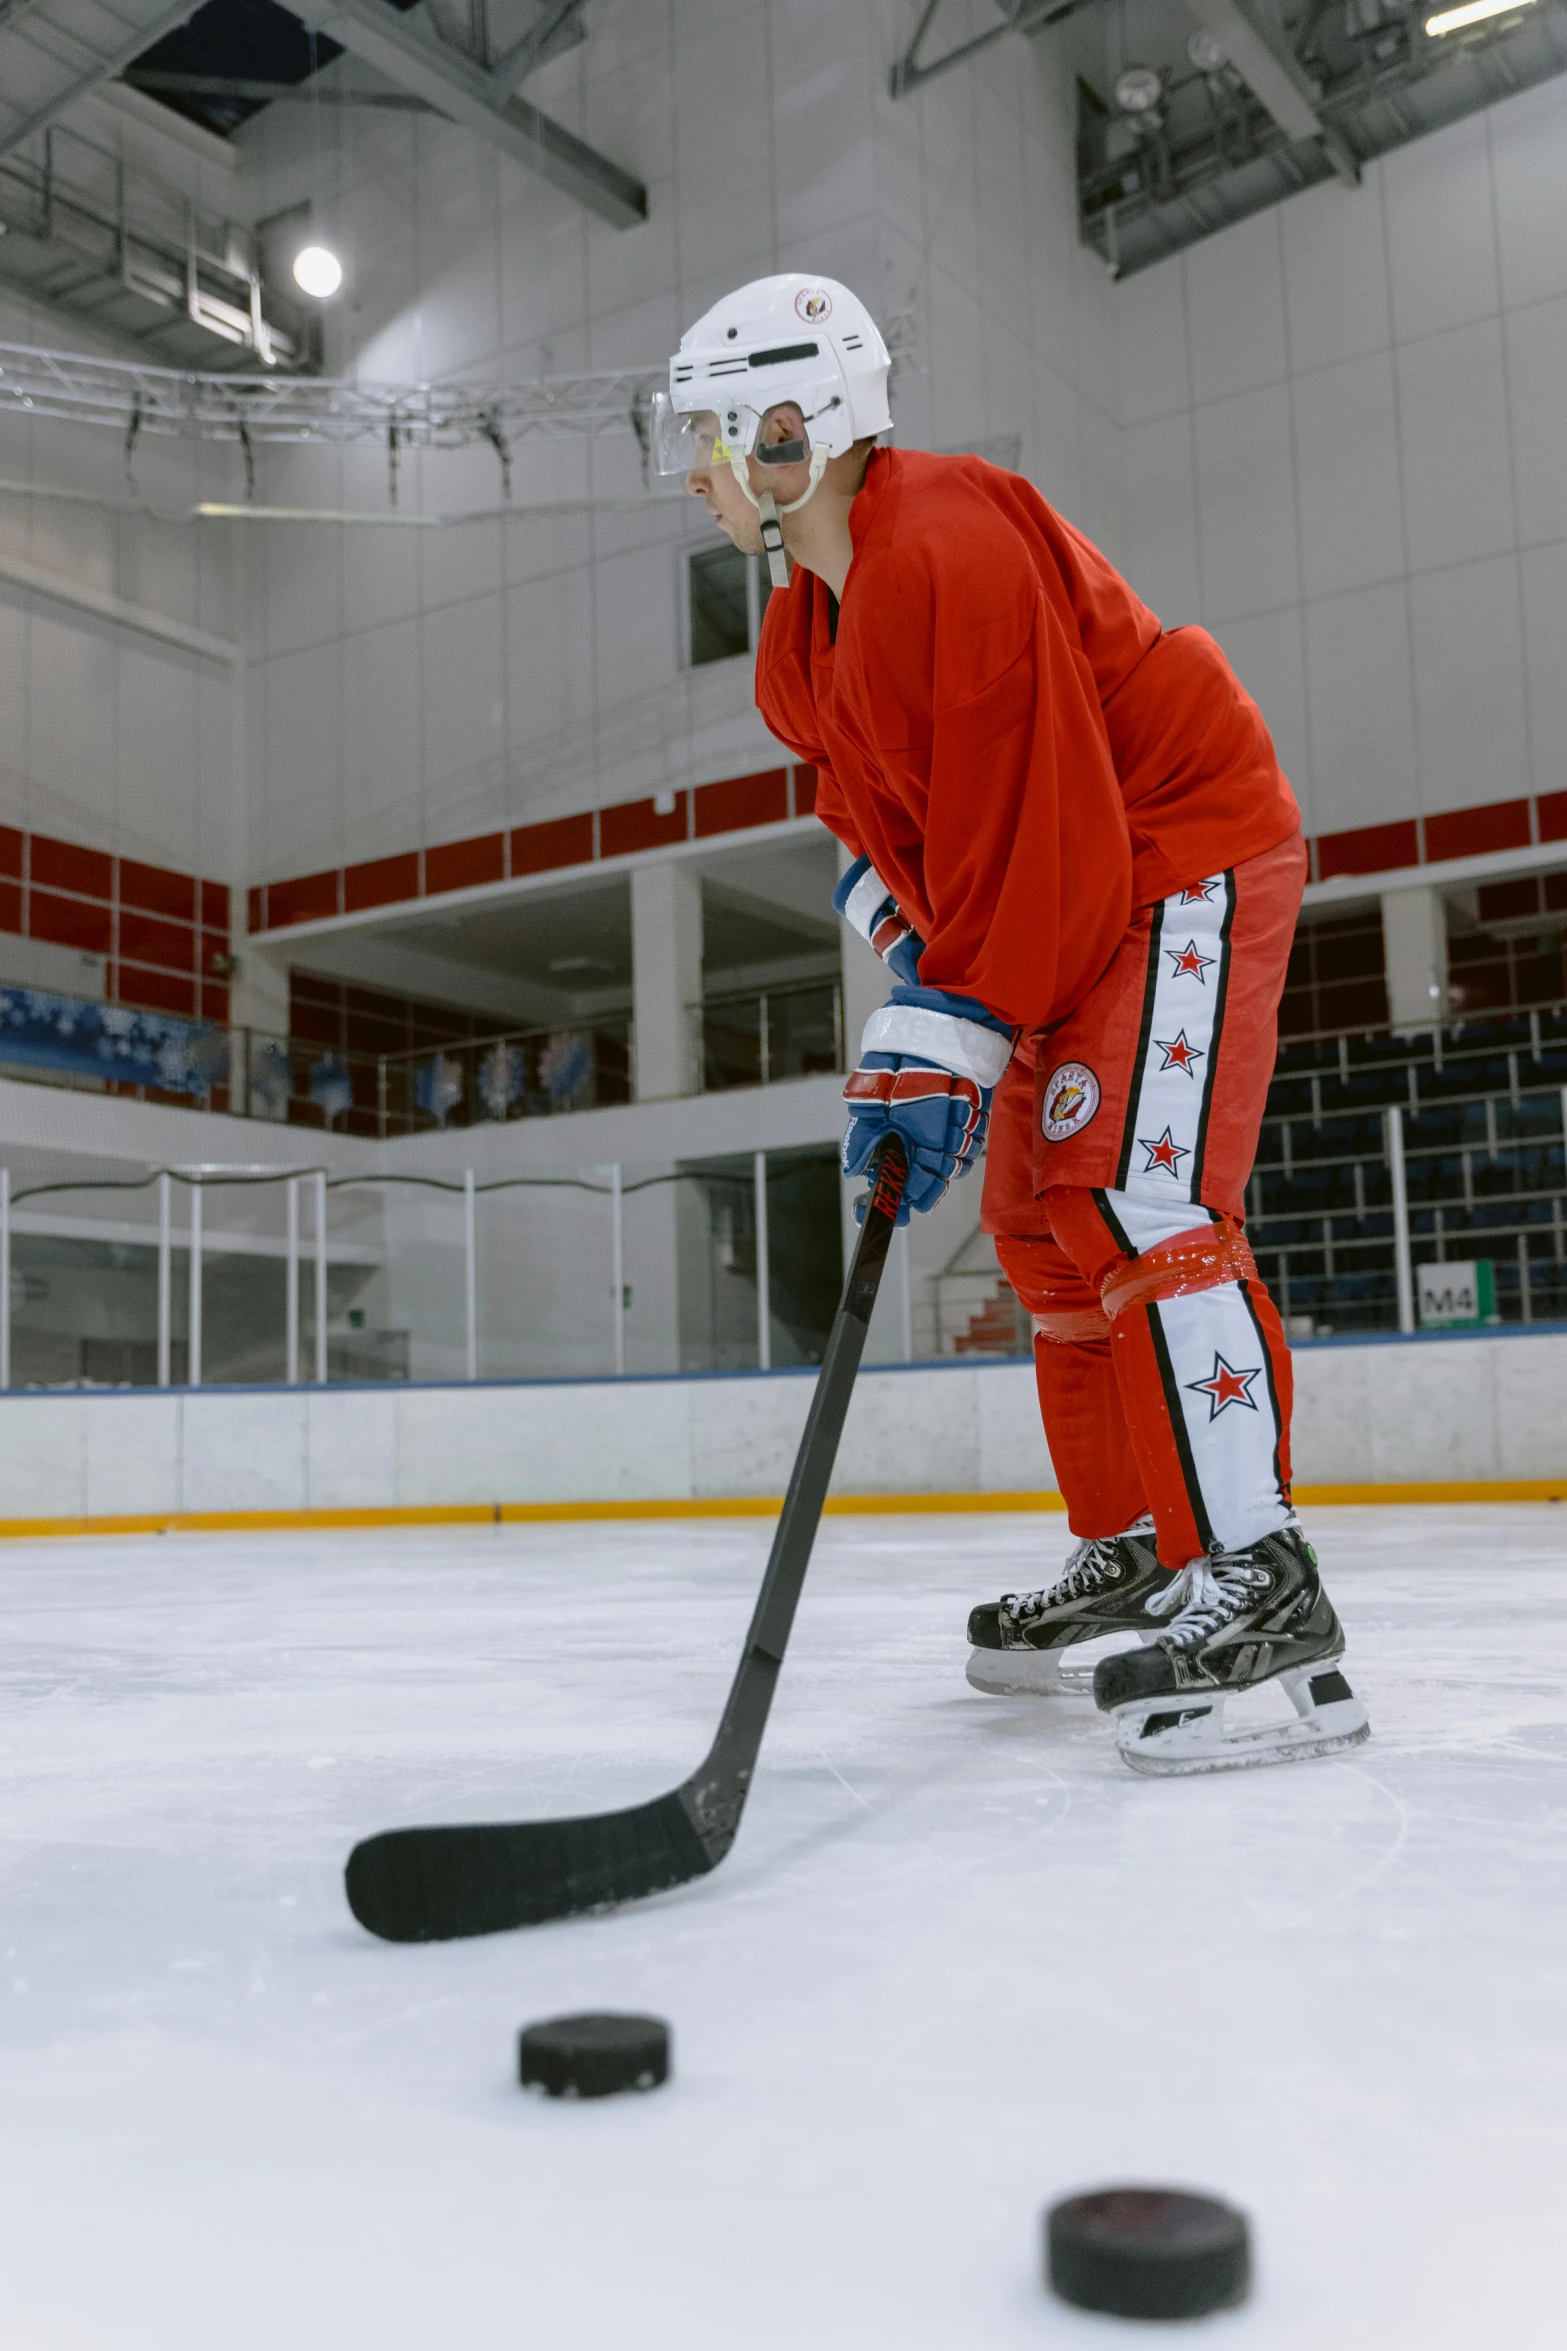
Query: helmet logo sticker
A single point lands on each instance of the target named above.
(1071, 1097)
(813, 303)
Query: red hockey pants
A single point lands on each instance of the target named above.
(1120, 1146)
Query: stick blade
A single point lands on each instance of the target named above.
(431, 1885)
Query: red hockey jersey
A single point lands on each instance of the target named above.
(1009, 736)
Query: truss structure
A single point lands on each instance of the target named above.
(133, 399)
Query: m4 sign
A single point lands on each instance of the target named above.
(1451, 1296)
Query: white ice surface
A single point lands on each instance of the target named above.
(960, 1962)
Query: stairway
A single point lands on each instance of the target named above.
(1000, 1327)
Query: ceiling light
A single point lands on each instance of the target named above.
(568, 963)
(1138, 90)
(1453, 20)
(317, 271)
(1207, 54)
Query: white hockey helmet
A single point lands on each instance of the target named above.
(792, 337)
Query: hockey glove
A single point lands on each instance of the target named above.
(929, 1063)
(868, 906)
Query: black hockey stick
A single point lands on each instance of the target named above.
(427, 1885)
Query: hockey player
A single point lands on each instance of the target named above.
(1075, 850)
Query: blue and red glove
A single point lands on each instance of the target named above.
(869, 907)
(929, 1063)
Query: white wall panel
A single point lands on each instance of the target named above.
(1423, 460)
(1246, 486)
(1161, 517)
(1335, 273)
(1453, 428)
(1362, 713)
(71, 709)
(1537, 393)
(1467, 632)
(383, 771)
(1235, 307)
(1441, 239)
(1346, 450)
(1269, 660)
(1544, 578)
(1155, 367)
(158, 751)
(1529, 165)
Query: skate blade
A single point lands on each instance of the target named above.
(1023, 1673)
(1042, 1673)
(1177, 1737)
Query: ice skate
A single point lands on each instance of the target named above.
(1241, 1619)
(1021, 1642)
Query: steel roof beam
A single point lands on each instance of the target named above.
(464, 92)
(102, 69)
(1274, 78)
(557, 28)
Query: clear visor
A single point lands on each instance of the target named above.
(682, 441)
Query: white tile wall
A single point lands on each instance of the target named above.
(1346, 455)
(1335, 273)
(957, 205)
(1161, 517)
(1270, 662)
(1536, 359)
(1529, 162)
(1441, 234)
(1235, 309)
(1246, 489)
(1364, 768)
(1453, 430)
(1543, 573)
(1198, 420)
(1423, 350)
(1467, 634)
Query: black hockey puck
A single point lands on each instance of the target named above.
(593, 2056)
(1147, 2252)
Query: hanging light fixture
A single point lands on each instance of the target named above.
(318, 271)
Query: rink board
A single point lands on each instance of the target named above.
(1446, 1419)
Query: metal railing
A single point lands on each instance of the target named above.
(761, 1035)
(1382, 1154)
(137, 1220)
(82, 1044)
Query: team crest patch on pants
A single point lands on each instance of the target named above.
(1071, 1097)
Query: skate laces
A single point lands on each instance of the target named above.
(1084, 1572)
(1205, 1596)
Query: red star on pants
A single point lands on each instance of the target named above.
(1178, 1054)
(1226, 1386)
(1189, 963)
(1166, 1153)
(1198, 893)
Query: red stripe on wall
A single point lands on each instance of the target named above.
(742, 801)
(70, 922)
(465, 865)
(66, 865)
(381, 882)
(630, 825)
(562, 840)
(153, 891)
(1472, 832)
(1371, 848)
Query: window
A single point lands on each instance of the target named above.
(726, 594)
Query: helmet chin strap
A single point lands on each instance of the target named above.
(768, 508)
